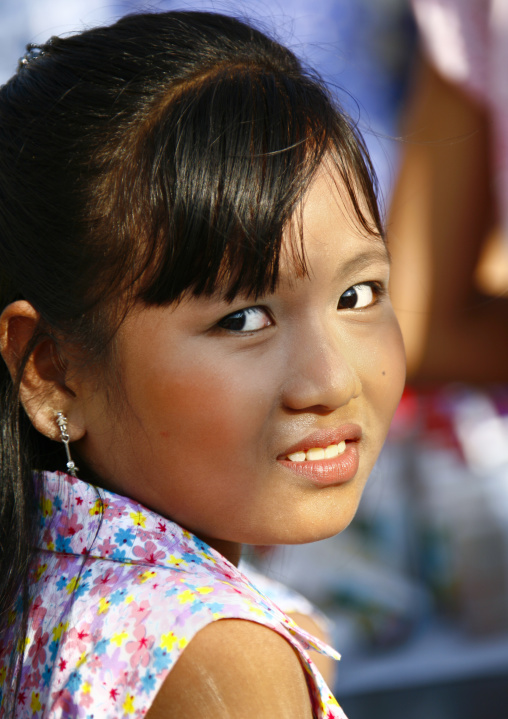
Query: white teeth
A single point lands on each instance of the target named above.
(333, 450)
(315, 453)
(297, 457)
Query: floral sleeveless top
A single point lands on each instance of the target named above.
(119, 593)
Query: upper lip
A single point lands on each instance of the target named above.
(325, 437)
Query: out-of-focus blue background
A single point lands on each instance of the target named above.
(361, 45)
(417, 587)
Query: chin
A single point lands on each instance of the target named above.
(311, 530)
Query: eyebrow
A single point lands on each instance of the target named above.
(376, 253)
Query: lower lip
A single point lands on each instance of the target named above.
(337, 470)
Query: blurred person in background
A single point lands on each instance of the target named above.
(450, 205)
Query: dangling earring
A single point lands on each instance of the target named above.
(61, 421)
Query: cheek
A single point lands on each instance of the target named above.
(383, 369)
(199, 408)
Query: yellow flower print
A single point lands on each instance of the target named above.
(119, 639)
(104, 605)
(204, 590)
(96, 507)
(149, 574)
(186, 597)
(22, 645)
(73, 584)
(176, 561)
(59, 630)
(128, 705)
(168, 641)
(35, 704)
(40, 571)
(138, 518)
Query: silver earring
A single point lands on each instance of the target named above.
(61, 421)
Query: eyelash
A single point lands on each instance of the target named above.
(378, 291)
(242, 315)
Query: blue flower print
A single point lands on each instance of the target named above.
(201, 546)
(63, 544)
(125, 536)
(61, 582)
(46, 674)
(81, 589)
(118, 555)
(101, 647)
(172, 592)
(53, 650)
(148, 682)
(118, 597)
(57, 503)
(74, 681)
(161, 659)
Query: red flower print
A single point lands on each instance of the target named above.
(21, 698)
(62, 563)
(104, 583)
(95, 663)
(33, 679)
(38, 613)
(85, 699)
(47, 536)
(145, 535)
(115, 510)
(62, 664)
(65, 703)
(69, 525)
(139, 647)
(161, 527)
(139, 611)
(149, 553)
(106, 548)
(113, 693)
(37, 652)
(76, 638)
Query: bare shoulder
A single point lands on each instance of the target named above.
(235, 669)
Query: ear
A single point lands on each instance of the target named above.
(43, 389)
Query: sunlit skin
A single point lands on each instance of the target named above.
(212, 402)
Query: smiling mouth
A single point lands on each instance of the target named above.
(316, 453)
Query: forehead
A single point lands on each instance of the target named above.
(327, 221)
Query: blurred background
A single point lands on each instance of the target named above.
(417, 587)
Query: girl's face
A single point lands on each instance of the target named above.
(219, 395)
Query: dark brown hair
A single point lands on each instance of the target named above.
(163, 154)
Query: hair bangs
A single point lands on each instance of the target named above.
(232, 154)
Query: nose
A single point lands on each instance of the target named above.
(322, 373)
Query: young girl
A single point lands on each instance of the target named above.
(193, 285)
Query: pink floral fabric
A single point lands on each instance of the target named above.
(119, 592)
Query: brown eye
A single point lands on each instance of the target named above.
(251, 319)
(357, 297)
